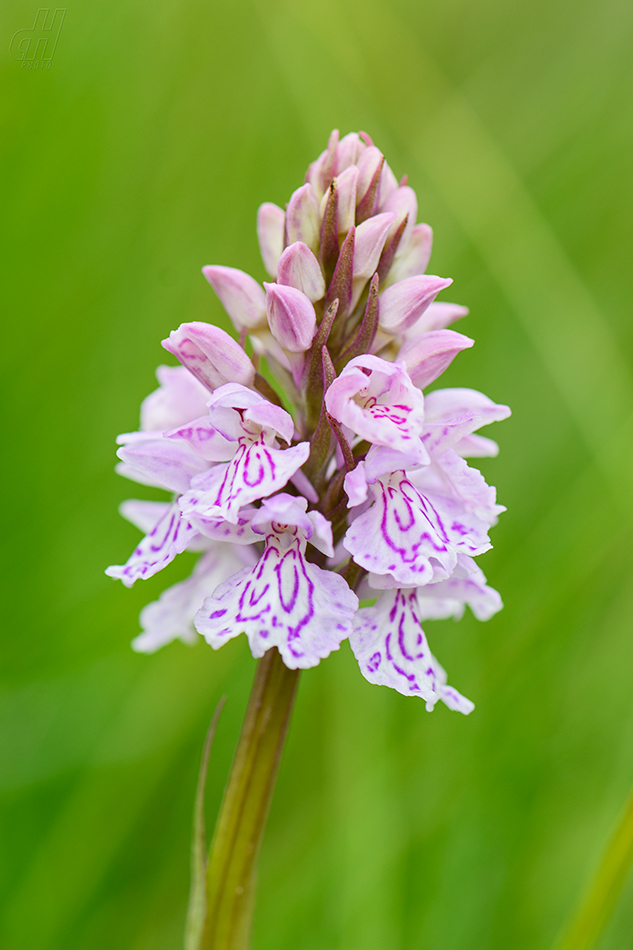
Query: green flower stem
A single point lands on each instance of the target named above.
(594, 910)
(244, 810)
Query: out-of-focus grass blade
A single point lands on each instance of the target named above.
(599, 900)
(197, 908)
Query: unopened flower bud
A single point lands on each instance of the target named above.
(413, 254)
(291, 317)
(387, 185)
(346, 191)
(369, 242)
(404, 202)
(299, 268)
(210, 354)
(369, 166)
(271, 220)
(241, 296)
(348, 151)
(302, 218)
(403, 303)
(427, 357)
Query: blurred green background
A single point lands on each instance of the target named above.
(143, 154)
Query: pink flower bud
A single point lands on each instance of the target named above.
(413, 254)
(348, 151)
(346, 191)
(369, 165)
(404, 202)
(298, 267)
(270, 234)
(241, 296)
(387, 185)
(427, 357)
(314, 175)
(302, 218)
(291, 317)
(403, 303)
(369, 242)
(210, 354)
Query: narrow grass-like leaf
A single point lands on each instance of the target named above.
(596, 906)
(196, 910)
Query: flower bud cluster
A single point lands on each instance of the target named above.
(315, 471)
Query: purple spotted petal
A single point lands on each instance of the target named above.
(168, 538)
(171, 616)
(216, 528)
(389, 643)
(284, 602)
(402, 534)
(283, 509)
(257, 470)
(205, 440)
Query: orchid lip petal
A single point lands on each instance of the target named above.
(256, 471)
(392, 650)
(171, 616)
(169, 537)
(284, 602)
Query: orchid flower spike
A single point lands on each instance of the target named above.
(336, 477)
